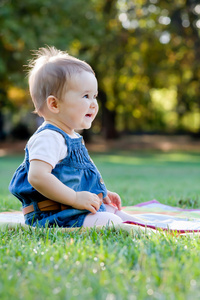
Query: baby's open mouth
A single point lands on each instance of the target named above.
(88, 115)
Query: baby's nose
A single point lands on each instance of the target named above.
(94, 103)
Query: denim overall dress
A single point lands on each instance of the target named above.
(76, 170)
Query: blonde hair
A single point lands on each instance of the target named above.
(50, 73)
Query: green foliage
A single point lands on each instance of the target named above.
(135, 47)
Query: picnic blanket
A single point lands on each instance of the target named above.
(151, 215)
(155, 215)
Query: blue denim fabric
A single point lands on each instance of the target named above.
(65, 218)
(76, 170)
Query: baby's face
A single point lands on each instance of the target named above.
(78, 107)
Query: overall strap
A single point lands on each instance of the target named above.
(65, 135)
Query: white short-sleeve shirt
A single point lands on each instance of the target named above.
(48, 146)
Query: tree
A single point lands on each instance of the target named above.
(137, 49)
(29, 25)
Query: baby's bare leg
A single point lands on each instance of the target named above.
(111, 216)
(101, 218)
(124, 216)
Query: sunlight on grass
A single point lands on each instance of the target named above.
(144, 158)
(171, 178)
(107, 264)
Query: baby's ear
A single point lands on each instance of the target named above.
(52, 104)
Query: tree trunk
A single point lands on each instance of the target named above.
(108, 118)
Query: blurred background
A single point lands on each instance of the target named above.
(145, 53)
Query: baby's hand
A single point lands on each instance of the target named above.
(113, 198)
(87, 200)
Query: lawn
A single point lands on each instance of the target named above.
(108, 264)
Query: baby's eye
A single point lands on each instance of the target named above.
(86, 96)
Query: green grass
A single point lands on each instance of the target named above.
(109, 264)
(167, 177)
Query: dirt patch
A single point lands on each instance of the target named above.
(12, 147)
(130, 142)
(146, 142)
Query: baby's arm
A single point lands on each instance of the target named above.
(41, 178)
